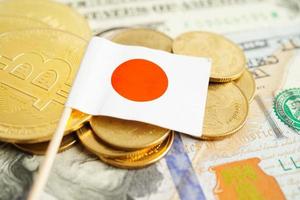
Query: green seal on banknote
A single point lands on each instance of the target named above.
(287, 107)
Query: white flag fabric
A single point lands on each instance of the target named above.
(142, 84)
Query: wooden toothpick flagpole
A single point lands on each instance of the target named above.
(45, 168)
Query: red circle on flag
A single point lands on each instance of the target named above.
(139, 80)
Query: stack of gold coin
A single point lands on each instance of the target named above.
(232, 86)
(38, 61)
(41, 46)
(124, 143)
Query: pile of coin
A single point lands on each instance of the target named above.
(125, 144)
(231, 87)
(41, 47)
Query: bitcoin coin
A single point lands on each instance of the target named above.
(154, 154)
(228, 60)
(9, 23)
(88, 138)
(144, 37)
(41, 148)
(126, 134)
(37, 68)
(76, 121)
(247, 84)
(56, 15)
(225, 112)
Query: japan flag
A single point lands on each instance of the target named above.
(142, 84)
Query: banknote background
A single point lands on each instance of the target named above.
(269, 33)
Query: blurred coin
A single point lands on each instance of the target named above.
(56, 15)
(41, 148)
(228, 60)
(11, 23)
(144, 37)
(126, 134)
(98, 147)
(154, 154)
(247, 84)
(76, 121)
(110, 33)
(37, 68)
(226, 110)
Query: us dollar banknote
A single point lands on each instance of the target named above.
(77, 174)
(264, 152)
(193, 169)
(174, 17)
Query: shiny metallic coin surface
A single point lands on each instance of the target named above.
(88, 138)
(41, 148)
(13, 23)
(76, 121)
(126, 134)
(228, 60)
(247, 84)
(154, 154)
(226, 110)
(144, 37)
(37, 68)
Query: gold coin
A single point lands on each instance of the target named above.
(56, 15)
(37, 68)
(228, 60)
(110, 33)
(126, 134)
(144, 37)
(153, 154)
(226, 110)
(247, 84)
(88, 138)
(41, 148)
(10, 23)
(76, 121)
